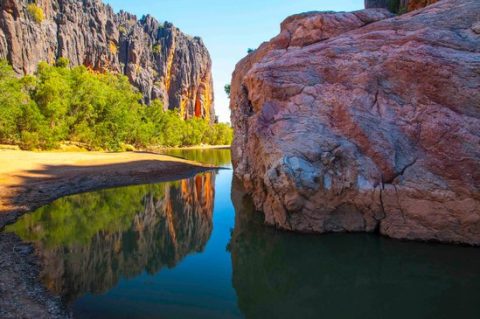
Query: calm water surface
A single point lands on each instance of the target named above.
(196, 249)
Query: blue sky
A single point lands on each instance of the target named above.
(229, 27)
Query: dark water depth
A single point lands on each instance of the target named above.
(195, 248)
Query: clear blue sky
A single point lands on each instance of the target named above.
(229, 27)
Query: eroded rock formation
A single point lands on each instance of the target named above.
(161, 61)
(344, 122)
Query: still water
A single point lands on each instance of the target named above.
(195, 248)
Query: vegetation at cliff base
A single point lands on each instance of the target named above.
(99, 111)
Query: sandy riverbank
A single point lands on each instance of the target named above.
(31, 179)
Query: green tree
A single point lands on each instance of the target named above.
(52, 95)
(11, 100)
(227, 89)
(101, 111)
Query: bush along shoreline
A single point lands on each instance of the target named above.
(100, 111)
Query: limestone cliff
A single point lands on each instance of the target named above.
(161, 61)
(365, 122)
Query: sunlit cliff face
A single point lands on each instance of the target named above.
(88, 242)
(158, 59)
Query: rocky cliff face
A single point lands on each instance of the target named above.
(161, 61)
(363, 122)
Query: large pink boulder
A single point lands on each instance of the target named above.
(362, 122)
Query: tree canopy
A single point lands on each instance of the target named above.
(100, 111)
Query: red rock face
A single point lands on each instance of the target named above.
(362, 121)
(418, 4)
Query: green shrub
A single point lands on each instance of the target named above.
(122, 29)
(36, 12)
(100, 111)
(29, 140)
(127, 147)
(9, 104)
(157, 48)
(62, 62)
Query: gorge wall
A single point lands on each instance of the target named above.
(364, 121)
(161, 61)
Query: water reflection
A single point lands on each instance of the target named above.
(88, 242)
(217, 157)
(285, 275)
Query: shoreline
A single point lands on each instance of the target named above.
(29, 180)
(65, 149)
(197, 147)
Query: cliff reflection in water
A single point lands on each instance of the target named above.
(286, 275)
(88, 242)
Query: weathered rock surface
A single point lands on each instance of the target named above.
(374, 125)
(161, 61)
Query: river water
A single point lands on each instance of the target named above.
(195, 248)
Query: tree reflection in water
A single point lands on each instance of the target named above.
(217, 157)
(88, 242)
(285, 275)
